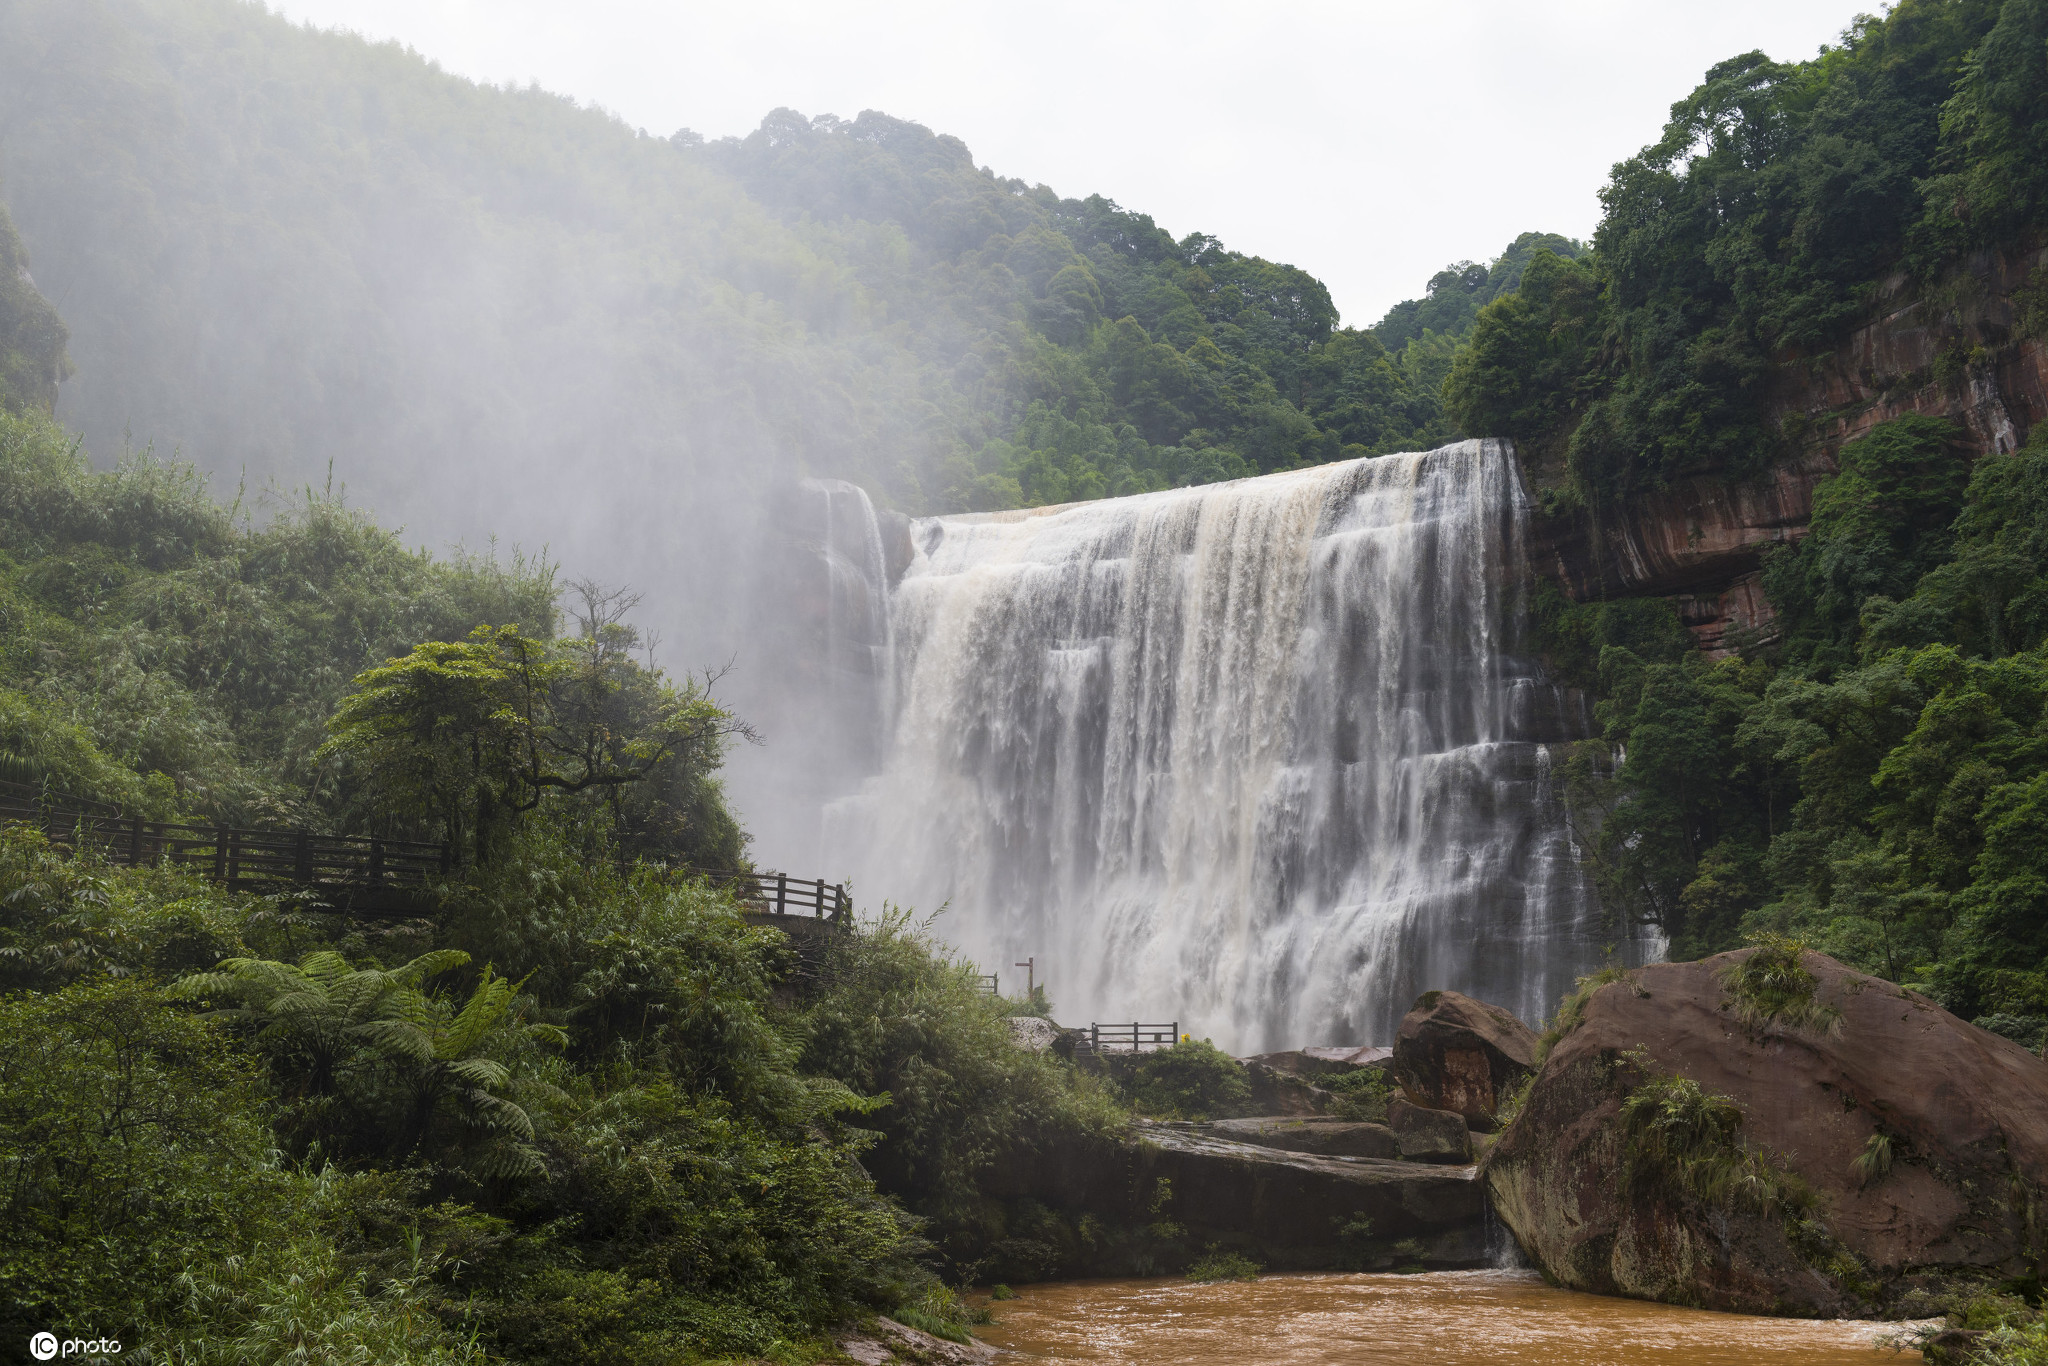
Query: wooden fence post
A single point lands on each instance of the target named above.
(302, 857)
(220, 853)
(782, 893)
(134, 841)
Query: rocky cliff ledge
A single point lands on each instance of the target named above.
(1292, 1193)
(1960, 356)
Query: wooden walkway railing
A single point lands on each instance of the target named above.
(245, 859)
(1132, 1038)
(779, 894)
(263, 860)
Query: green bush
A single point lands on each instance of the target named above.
(1362, 1093)
(897, 1017)
(1194, 1079)
(1218, 1265)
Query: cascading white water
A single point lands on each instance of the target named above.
(1255, 756)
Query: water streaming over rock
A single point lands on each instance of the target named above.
(1259, 757)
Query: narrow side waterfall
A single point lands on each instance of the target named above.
(1257, 756)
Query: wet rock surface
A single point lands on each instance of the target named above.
(1283, 1091)
(1426, 1135)
(1302, 1211)
(1318, 1134)
(1171, 1190)
(1960, 1114)
(888, 1341)
(1455, 1053)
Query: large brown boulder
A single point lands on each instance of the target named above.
(1455, 1053)
(1865, 1171)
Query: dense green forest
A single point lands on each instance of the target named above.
(1874, 777)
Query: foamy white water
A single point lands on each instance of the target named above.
(1258, 756)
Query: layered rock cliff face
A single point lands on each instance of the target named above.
(1971, 351)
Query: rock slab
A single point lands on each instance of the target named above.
(1456, 1053)
(1964, 1114)
(1317, 1134)
(1192, 1186)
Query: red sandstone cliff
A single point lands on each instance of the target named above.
(1955, 353)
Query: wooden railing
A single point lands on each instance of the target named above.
(242, 858)
(263, 859)
(780, 894)
(1132, 1038)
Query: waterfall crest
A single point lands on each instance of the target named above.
(1254, 756)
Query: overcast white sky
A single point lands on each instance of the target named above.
(1369, 142)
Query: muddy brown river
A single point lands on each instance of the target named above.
(1445, 1318)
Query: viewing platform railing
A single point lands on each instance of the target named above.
(1132, 1038)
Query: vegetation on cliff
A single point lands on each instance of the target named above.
(1755, 233)
(1875, 781)
(1868, 778)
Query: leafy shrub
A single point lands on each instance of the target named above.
(391, 1058)
(1194, 1079)
(1218, 1265)
(896, 1015)
(1362, 1093)
(2028, 1031)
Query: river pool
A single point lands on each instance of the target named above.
(1443, 1318)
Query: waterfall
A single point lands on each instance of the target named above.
(1258, 756)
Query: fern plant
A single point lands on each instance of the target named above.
(1687, 1140)
(318, 1017)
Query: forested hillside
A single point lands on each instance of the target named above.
(571, 1108)
(279, 249)
(1868, 765)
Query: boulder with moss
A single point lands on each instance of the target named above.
(1768, 1131)
(1456, 1053)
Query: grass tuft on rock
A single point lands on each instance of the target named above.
(1772, 988)
(1362, 1093)
(1874, 1161)
(1571, 1011)
(1681, 1140)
